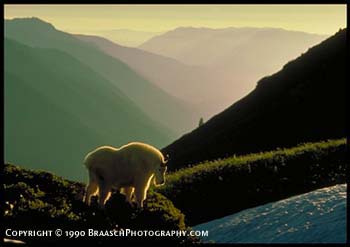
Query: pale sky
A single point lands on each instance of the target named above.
(322, 19)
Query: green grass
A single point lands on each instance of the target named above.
(217, 188)
(270, 156)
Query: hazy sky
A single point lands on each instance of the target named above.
(323, 19)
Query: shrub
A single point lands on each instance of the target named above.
(41, 200)
(218, 188)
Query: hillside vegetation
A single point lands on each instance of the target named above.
(41, 200)
(303, 102)
(214, 189)
(204, 192)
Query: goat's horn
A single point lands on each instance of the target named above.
(165, 160)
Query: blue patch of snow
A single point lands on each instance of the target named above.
(315, 217)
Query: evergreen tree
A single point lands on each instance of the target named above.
(201, 122)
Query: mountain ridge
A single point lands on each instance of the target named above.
(127, 80)
(182, 41)
(272, 108)
(146, 63)
(52, 121)
(231, 60)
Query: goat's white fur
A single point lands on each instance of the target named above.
(129, 168)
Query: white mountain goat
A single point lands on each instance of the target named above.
(130, 168)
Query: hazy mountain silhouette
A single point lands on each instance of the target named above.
(155, 102)
(305, 101)
(57, 109)
(205, 89)
(127, 37)
(163, 71)
(231, 60)
(180, 80)
(217, 47)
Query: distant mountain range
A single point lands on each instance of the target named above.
(64, 97)
(104, 93)
(180, 80)
(57, 109)
(305, 101)
(126, 37)
(154, 101)
(209, 85)
(227, 46)
(228, 61)
(231, 59)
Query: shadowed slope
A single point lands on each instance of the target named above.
(305, 101)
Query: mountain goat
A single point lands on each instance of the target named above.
(129, 168)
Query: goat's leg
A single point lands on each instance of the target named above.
(140, 197)
(91, 189)
(141, 189)
(104, 194)
(129, 191)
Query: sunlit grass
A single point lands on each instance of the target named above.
(269, 156)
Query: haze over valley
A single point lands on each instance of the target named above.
(172, 86)
(210, 68)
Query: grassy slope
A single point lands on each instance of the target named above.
(305, 101)
(221, 187)
(53, 202)
(159, 105)
(57, 110)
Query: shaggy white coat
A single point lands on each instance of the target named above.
(130, 168)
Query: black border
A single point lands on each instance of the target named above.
(180, 2)
(347, 129)
(263, 2)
